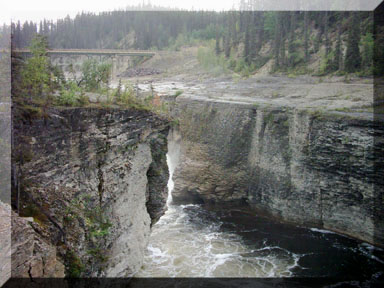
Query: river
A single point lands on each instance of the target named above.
(199, 241)
(195, 241)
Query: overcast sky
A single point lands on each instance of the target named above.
(36, 10)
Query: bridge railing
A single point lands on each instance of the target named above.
(91, 52)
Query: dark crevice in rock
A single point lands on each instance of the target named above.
(30, 273)
(42, 260)
(100, 186)
(321, 208)
(157, 175)
(261, 135)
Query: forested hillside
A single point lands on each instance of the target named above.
(149, 29)
(335, 41)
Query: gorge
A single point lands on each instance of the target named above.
(159, 147)
(251, 176)
(303, 167)
(247, 179)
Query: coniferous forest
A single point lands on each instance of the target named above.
(343, 40)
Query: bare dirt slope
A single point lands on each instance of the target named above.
(180, 71)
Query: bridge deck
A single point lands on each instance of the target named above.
(105, 52)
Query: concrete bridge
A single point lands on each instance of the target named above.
(121, 60)
(103, 52)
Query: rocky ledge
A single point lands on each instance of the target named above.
(93, 181)
(298, 165)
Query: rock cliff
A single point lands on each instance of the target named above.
(32, 256)
(94, 180)
(297, 165)
(5, 242)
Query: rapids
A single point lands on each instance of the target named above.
(193, 241)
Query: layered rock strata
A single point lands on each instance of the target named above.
(94, 180)
(297, 165)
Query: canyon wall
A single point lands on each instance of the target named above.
(94, 181)
(304, 167)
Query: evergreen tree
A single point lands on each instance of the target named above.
(291, 45)
(306, 44)
(319, 21)
(338, 58)
(367, 51)
(36, 73)
(353, 57)
(234, 28)
(247, 42)
(217, 47)
(227, 46)
(277, 40)
(18, 35)
(260, 32)
(326, 35)
(253, 36)
(283, 20)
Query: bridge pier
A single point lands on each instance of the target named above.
(113, 68)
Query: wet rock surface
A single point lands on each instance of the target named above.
(139, 71)
(94, 180)
(291, 163)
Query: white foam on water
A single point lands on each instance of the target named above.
(182, 245)
(190, 250)
(322, 231)
(170, 184)
(367, 250)
(371, 247)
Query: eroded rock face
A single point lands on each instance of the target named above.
(95, 180)
(32, 256)
(298, 166)
(5, 242)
